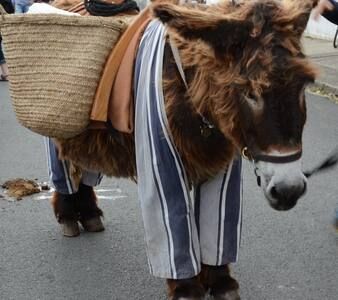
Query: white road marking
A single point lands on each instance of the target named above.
(108, 194)
(116, 190)
(113, 197)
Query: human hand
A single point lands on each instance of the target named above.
(323, 6)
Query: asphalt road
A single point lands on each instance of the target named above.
(284, 255)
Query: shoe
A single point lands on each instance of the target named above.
(3, 77)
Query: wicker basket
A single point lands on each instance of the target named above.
(55, 63)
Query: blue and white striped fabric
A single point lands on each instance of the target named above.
(180, 233)
(59, 173)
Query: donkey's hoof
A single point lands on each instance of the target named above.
(92, 225)
(218, 281)
(229, 295)
(185, 289)
(70, 228)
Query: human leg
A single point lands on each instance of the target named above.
(18, 8)
(25, 8)
(3, 65)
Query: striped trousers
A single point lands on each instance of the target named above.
(182, 230)
(59, 175)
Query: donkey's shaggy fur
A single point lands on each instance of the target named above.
(245, 71)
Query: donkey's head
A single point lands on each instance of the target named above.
(247, 76)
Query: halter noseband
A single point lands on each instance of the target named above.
(255, 157)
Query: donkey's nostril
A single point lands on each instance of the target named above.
(273, 192)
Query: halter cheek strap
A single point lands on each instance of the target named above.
(178, 62)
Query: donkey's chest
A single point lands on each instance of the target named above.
(204, 151)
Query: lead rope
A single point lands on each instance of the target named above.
(328, 163)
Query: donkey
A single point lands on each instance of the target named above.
(243, 93)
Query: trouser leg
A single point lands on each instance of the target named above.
(59, 172)
(218, 215)
(170, 229)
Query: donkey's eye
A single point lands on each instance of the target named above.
(254, 102)
(251, 96)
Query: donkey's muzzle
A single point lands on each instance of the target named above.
(285, 197)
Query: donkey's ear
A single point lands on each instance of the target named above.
(215, 29)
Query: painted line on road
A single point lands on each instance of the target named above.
(113, 197)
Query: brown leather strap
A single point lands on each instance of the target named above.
(101, 101)
(121, 106)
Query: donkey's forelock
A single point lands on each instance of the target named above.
(243, 38)
(225, 25)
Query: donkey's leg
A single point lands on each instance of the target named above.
(65, 210)
(218, 213)
(183, 289)
(65, 198)
(90, 214)
(218, 281)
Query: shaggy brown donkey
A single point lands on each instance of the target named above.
(246, 74)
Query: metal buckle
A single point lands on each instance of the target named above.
(245, 153)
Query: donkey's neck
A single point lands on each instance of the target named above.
(203, 155)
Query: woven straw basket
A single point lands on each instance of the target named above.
(55, 63)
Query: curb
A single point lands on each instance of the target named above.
(325, 88)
